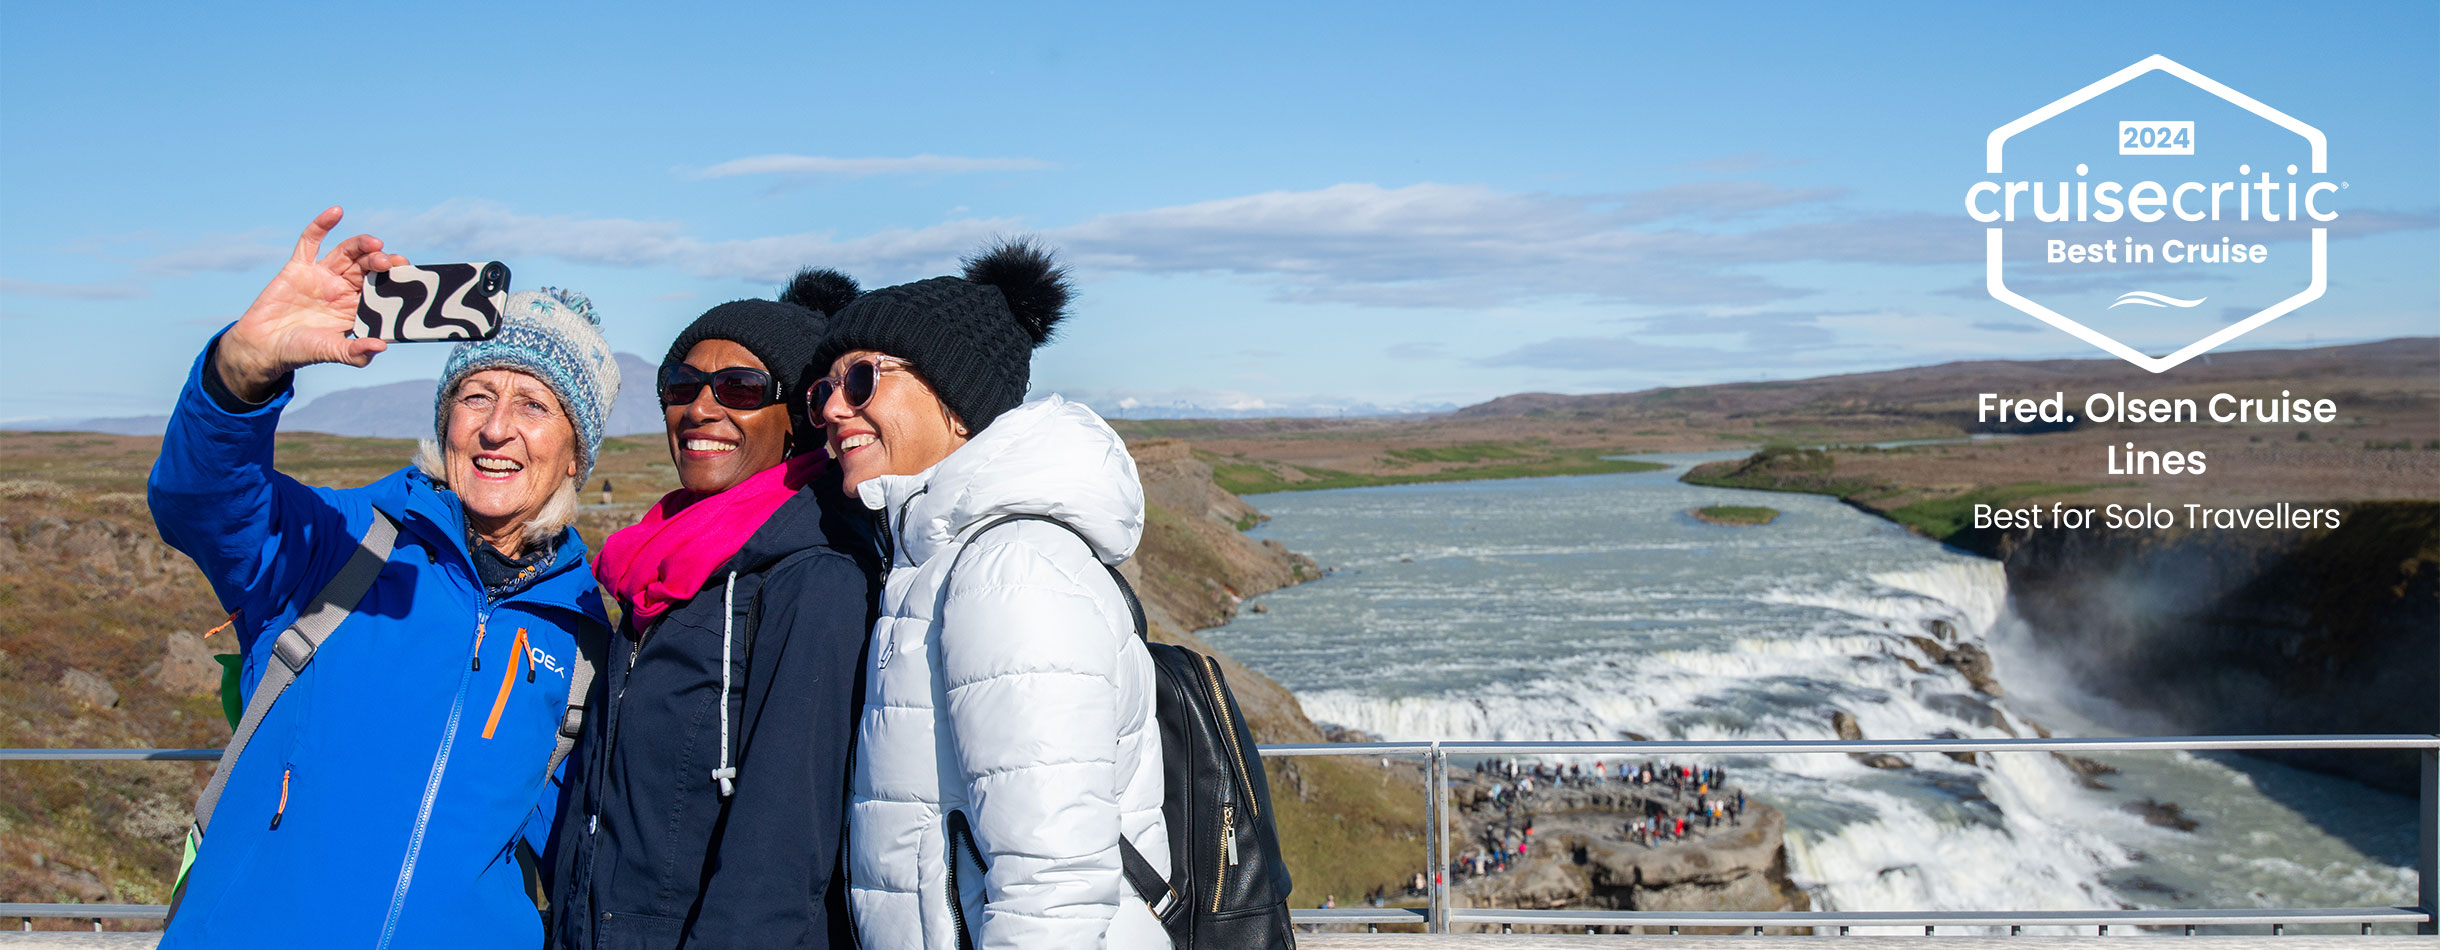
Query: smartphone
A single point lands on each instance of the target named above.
(434, 302)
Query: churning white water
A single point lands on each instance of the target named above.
(1596, 607)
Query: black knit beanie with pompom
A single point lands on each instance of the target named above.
(972, 337)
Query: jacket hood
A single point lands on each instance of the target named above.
(1047, 457)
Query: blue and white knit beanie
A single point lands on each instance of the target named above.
(552, 335)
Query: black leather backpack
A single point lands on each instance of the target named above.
(1227, 888)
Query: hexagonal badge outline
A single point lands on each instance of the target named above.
(1998, 286)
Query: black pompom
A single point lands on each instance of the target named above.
(1036, 287)
(820, 289)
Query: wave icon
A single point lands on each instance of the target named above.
(2149, 299)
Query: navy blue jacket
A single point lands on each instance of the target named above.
(648, 853)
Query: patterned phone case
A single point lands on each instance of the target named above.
(433, 302)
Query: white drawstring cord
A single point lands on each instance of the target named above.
(726, 774)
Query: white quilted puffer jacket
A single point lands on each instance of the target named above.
(1019, 705)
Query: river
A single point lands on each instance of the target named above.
(1592, 607)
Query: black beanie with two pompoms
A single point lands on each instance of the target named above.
(781, 333)
(971, 337)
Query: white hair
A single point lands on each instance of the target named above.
(557, 514)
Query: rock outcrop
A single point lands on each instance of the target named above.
(187, 667)
(88, 689)
(1196, 563)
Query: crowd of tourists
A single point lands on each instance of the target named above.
(1677, 801)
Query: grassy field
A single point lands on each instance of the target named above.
(1736, 514)
(1472, 463)
(1942, 517)
(1818, 472)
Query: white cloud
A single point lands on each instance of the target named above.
(1197, 403)
(1426, 245)
(808, 165)
(1441, 245)
(1422, 245)
(485, 230)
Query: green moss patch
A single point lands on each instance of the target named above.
(1943, 517)
(1735, 514)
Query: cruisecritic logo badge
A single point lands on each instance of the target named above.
(2118, 212)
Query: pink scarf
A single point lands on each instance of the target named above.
(666, 558)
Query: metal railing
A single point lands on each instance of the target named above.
(1439, 917)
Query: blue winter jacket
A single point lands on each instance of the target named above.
(382, 801)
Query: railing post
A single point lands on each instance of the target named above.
(1436, 837)
(2427, 835)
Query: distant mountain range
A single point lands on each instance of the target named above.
(401, 410)
(404, 410)
(1124, 410)
(2402, 358)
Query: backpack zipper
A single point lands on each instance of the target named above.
(1228, 731)
(1228, 794)
(1228, 851)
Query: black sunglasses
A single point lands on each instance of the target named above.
(856, 383)
(736, 387)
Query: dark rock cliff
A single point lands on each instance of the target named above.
(2248, 632)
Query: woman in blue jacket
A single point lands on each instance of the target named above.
(385, 797)
(705, 805)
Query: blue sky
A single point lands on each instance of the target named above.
(1288, 206)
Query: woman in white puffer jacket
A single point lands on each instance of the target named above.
(1007, 738)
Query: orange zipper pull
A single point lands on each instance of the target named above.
(478, 646)
(283, 809)
(508, 678)
(527, 651)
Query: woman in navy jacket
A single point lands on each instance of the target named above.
(707, 798)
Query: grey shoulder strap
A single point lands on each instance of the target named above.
(296, 645)
(591, 643)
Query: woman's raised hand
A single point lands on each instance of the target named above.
(305, 314)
